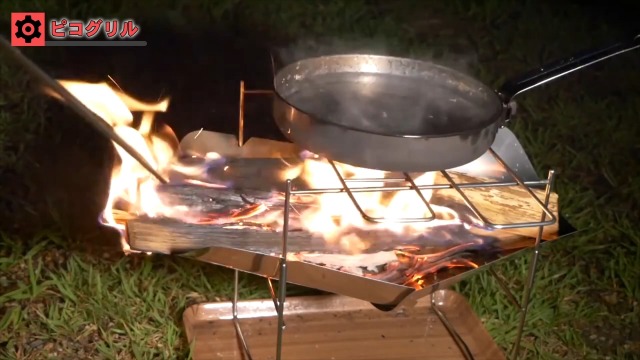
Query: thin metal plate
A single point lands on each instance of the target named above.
(337, 327)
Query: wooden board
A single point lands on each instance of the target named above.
(167, 235)
(339, 328)
(503, 205)
(500, 205)
(173, 236)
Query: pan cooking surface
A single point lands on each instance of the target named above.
(392, 104)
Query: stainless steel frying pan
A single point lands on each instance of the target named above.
(399, 114)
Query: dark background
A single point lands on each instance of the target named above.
(200, 68)
(584, 126)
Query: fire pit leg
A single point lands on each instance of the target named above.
(236, 321)
(532, 271)
(279, 298)
(464, 349)
(282, 283)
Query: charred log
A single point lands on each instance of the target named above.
(257, 178)
(168, 236)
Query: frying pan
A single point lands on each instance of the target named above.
(403, 115)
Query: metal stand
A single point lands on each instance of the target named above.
(408, 184)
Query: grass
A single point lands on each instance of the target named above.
(59, 302)
(62, 304)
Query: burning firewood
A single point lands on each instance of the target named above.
(168, 236)
(503, 205)
(171, 235)
(381, 255)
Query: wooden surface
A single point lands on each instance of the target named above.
(171, 236)
(503, 205)
(339, 328)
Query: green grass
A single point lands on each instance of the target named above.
(63, 304)
(586, 297)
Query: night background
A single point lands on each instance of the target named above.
(67, 292)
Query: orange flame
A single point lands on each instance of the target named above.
(133, 191)
(335, 213)
(132, 188)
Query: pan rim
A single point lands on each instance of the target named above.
(481, 125)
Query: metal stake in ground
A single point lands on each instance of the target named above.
(73, 102)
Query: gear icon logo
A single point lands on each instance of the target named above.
(27, 29)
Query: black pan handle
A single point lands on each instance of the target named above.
(556, 69)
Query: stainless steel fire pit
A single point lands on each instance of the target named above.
(390, 268)
(280, 254)
(414, 265)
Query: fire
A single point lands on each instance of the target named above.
(336, 215)
(412, 268)
(133, 191)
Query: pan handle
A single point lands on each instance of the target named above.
(556, 69)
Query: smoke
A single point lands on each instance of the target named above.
(309, 48)
(463, 60)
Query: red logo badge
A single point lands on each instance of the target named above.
(27, 29)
